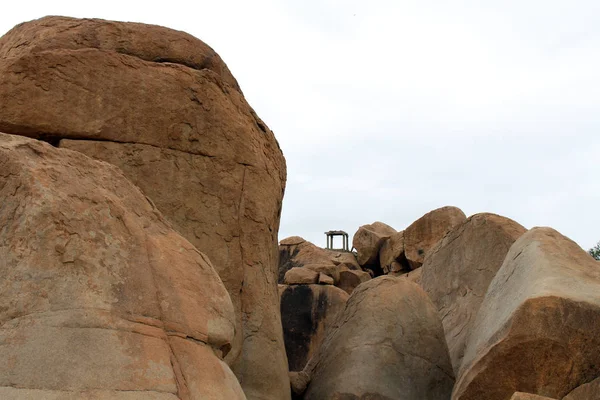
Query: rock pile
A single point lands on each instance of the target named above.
(476, 308)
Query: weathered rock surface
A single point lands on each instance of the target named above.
(368, 240)
(425, 232)
(163, 107)
(458, 270)
(350, 279)
(528, 396)
(587, 391)
(413, 276)
(98, 292)
(388, 343)
(297, 252)
(300, 276)
(391, 254)
(538, 327)
(307, 312)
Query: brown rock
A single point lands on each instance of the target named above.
(297, 252)
(163, 107)
(343, 257)
(330, 270)
(458, 270)
(425, 232)
(528, 396)
(307, 312)
(413, 276)
(325, 279)
(368, 240)
(350, 279)
(391, 254)
(301, 276)
(587, 391)
(538, 327)
(99, 293)
(8, 393)
(392, 352)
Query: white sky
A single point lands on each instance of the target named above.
(386, 110)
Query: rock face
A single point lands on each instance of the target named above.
(587, 391)
(368, 240)
(163, 107)
(425, 232)
(307, 312)
(100, 296)
(538, 327)
(459, 269)
(392, 352)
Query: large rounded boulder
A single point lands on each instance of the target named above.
(99, 295)
(388, 343)
(163, 107)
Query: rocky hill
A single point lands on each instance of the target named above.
(140, 198)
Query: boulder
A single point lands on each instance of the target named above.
(162, 106)
(301, 276)
(422, 234)
(332, 271)
(368, 240)
(350, 279)
(458, 270)
(325, 279)
(99, 294)
(391, 254)
(528, 396)
(307, 311)
(396, 351)
(538, 327)
(587, 391)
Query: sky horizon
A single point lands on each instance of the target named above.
(387, 110)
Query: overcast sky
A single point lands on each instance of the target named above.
(386, 110)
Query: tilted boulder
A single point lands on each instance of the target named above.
(538, 327)
(162, 106)
(301, 276)
(368, 240)
(100, 296)
(425, 232)
(587, 391)
(459, 269)
(307, 311)
(388, 343)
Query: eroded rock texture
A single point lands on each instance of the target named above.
(307, 312)
(538, 327)
(99, 295)
(162, 106)
(459, 269)
(388, 343)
